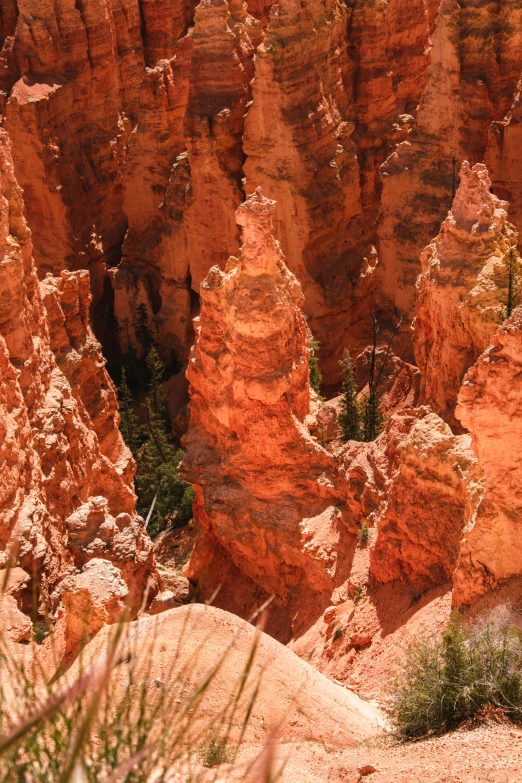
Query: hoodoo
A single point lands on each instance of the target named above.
(463, 288)
(265, 488)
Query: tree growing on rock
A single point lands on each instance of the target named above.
(363, 419)
(129, 427)
(163, 496)
(513, 284)
(315, 374)
(350, 415)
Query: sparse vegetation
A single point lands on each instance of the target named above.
(99, 725)
(338, 632)
(446, 681)
(315, 374)
(163, 496)
(350, 415)
(359, 593)
(363, 534)
(512, 284)
(363, 419)
(215, 752)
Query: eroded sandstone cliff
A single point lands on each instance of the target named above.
(61, 453)
(463, 289)
(137, 126)
(489, 405)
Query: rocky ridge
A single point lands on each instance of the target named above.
(129, 121)
(62, 456)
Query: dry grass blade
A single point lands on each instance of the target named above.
(113, 720)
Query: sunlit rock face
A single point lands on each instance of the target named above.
(490, 407)
(463, 288)
(60, 447)
(265, 488)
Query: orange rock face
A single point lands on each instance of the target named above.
(489, 406)
(462, 289)
(433, 479)
(59, 440)
(265, 488)
(138, 125)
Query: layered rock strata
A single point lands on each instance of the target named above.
(489, 406)
(131, 120)
(59, 442)
(463, 288)
(265, 489)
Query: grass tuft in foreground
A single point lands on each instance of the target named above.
(110, 720)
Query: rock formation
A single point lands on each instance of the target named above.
(432, 483)
(265, 488)
(131, 120)
(60, 448)
(462, 289)
(489, 406)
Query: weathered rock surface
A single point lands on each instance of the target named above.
(91, 599)
(78, 354)
(464, 92)
(265, 488)
(131, 120)
(192, 639)
(432, 485)
(462, 289)
(53, 462)
(490, 407)
(16, 626)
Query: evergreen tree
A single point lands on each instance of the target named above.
(129, 428)
(143, 331)
(315, 374)
(156, 371)
(372, 415)
(157, 477)
(349, 417)
(513, 284)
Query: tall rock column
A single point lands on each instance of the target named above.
(490, 406)
(462, 288)
(265, 488)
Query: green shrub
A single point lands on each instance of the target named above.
(163, 497)
(363, 534)
(215, 752)
(316, 378)
(446, 681)
(338, 632)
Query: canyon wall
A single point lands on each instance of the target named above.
(138, 125)
(66, 476)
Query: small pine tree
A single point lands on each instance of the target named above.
(315, 374)
(112, 325)
(158, 459)
(513, 285)
(372, 415)
(143, 330)
(349, 417)
(156, 371)
(129, 428)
